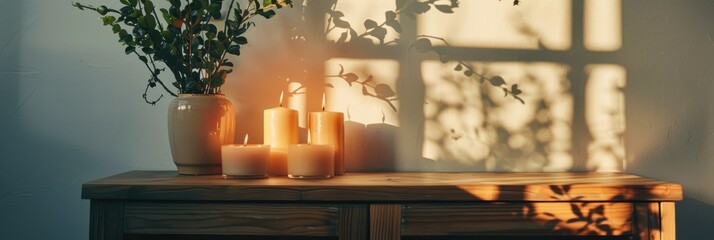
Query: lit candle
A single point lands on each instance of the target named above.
(280, 129)
(245, 161)
(328, 128)
(307, 161)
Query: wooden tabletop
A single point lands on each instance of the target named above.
(386, 187)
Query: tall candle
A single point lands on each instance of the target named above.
(280, 129)
(328, 128)
(246, 160)
(307, 161)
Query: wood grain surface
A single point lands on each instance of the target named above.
(525, 219)
(396, 186)
(229, 218)
(354, 222)
(105, 220)
(385, 221)
(668, 223)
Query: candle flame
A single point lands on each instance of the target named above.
(281, 98)
(245, 141)
(323, 101)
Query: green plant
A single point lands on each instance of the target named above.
(184, 39)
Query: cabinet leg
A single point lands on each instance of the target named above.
(655, 221)
(667, 215)
(106, 220)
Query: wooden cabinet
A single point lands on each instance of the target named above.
(165, 205)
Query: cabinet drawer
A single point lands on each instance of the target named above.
(552, 218)
(230, 219)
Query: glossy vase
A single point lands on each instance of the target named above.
(198, 126)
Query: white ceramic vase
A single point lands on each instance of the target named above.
(198, 126)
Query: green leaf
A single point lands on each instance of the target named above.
(215, 10)
(222, 36)
(210, 28)
(267, 14)
(150, 22)
(143, 59)
(125, 2)
(235, 50)
(148, 50)
(167, 35)
(148, 6)
(175, 3)
(166, 15)
(107, 20)
(129, 50)
(227, 64)
(267, 3)
(126, 10)
(241, 40)
(138, 31)
(133, 2)
(116, 28)
(369, 24)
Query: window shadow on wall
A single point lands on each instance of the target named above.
(413, 111)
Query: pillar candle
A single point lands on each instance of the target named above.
(306, 161)
(245, 160)
(280, 129)
(328, 128)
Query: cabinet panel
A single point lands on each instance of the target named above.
(231, 219)
(577, 218)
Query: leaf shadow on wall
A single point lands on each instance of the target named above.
(476, 130)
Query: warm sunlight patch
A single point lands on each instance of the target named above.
(473, 124)
(603, 25)
(354, 13)
(605, 116)
(497, 24)
(365, 90)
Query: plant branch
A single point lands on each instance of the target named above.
(154, 75)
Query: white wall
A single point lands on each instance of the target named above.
(70, 106)
(670, 115)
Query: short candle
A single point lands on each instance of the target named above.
(308, 161)
(328, 128)
(242, 161)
